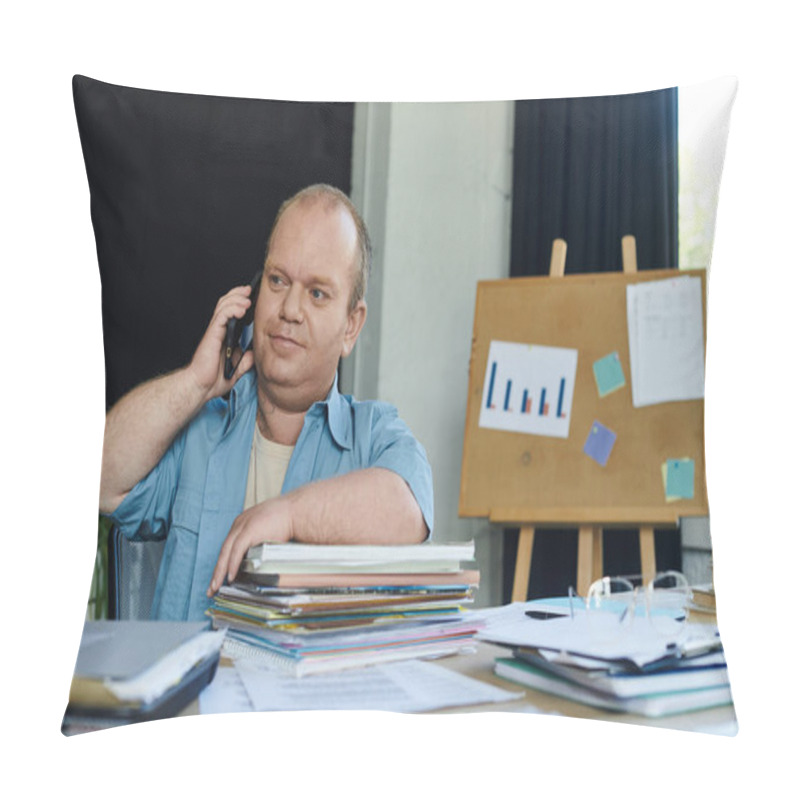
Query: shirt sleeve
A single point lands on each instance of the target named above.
(145, 511)
(394, 447)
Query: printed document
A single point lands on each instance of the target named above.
(665, 336)
(405, 686)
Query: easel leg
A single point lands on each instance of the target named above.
(597, 552)
(647, 550)
(590, 556)
(522, 570)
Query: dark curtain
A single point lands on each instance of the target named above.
(184, 189)
(590, 171)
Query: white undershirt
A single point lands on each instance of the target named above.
(268, 464)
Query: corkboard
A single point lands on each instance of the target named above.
(520, 478)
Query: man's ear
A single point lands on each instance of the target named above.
(355, 322)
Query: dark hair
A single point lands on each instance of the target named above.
(336, 197)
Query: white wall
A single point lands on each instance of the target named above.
(433, 181)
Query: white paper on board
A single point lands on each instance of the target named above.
(665, 336)
(529, 388)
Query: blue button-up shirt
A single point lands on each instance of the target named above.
(197, 490)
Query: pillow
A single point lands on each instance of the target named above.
(184, 188)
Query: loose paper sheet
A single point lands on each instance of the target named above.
(593, 635)
(405, 686)
(665, 336)
(225, 694)
(528, 388)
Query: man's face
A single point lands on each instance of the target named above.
(303, 322)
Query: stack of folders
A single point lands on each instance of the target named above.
(688, 684)
(317, 608)
(635, 672)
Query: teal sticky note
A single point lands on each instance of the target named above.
(608, 374)
(680, 478)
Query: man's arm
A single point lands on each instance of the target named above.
(142, 425)
(367, 506)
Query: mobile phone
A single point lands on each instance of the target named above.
(234, 327)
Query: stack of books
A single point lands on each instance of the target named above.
(704, 599)
(316, 608)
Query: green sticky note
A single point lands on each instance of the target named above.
(608, 374)
(669, 498)
(679, 478)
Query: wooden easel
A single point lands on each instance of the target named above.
(522, 481)
(590, 535)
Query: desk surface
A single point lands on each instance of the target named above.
(480, 665)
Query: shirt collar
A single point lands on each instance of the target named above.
(340, 420)
(243, 391)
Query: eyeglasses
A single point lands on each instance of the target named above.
(664, 600)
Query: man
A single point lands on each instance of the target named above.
(185, 453)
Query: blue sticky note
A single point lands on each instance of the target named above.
(608, 374)
(680, 478)
(599, 443)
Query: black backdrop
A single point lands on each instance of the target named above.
(184, 189)
(590, 171)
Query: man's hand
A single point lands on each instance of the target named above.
(269, 521)
(206, 366)
(366, 506)
(142, 425)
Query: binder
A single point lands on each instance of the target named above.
(132, 671)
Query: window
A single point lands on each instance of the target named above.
(703, 115)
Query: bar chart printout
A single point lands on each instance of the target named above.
(528, 388)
